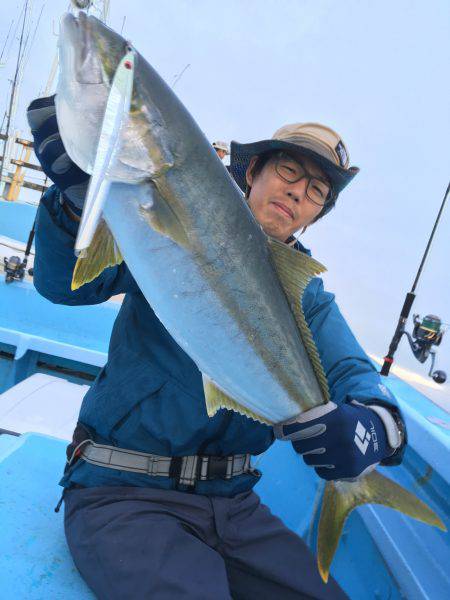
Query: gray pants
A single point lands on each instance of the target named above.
(141, 543)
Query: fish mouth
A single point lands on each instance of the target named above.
(93, 50)
(282, 208)
(78, 43)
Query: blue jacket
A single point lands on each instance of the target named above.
(149, 396)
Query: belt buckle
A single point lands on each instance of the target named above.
(220, 467)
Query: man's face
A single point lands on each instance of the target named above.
(280, 207)
(220, 153)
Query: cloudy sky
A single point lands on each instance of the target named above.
(377, 72)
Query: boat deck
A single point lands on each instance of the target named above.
(382, 554)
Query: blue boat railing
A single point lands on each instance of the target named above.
(32, 328)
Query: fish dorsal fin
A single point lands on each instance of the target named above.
(295, 270)
(102, 253)
(217, 399)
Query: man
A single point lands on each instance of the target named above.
(221, 149)
(138, 524)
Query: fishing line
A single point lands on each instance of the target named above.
(14, 35)
(29, 46)
(180, 75)
(6, 41)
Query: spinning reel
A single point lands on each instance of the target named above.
(14, 268)
(427, 333)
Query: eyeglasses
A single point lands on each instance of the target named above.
(292, 170)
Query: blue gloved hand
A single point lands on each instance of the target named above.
(342, 441)
(50, 151)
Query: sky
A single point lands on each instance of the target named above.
(376, 72)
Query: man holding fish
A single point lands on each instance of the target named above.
(158, 485)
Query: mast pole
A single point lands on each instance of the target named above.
(14, 95)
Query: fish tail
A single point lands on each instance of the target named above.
(341, 497)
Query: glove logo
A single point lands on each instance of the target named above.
(362, 437)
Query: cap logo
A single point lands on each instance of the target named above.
(342, 153)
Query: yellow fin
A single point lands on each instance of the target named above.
(341, 497)
(217, 399)
(102, 253)
(295, 270)
(162, 218)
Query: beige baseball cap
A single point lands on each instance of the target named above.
(319, 142)
(318, 138)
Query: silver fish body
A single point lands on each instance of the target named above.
(192, 244)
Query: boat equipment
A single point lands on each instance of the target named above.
(14, 267)
(425, 334)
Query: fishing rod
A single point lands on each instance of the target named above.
(426, 333)
(14, 267)
(14, 90)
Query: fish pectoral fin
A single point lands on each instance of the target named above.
(102, 253)
(217, 399)
(341, 497)
(162, 219)
(295, 270)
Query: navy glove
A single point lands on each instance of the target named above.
(342, 441)
(50, 151)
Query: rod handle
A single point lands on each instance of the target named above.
(399, 331)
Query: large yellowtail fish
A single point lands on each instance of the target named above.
(231, 297)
